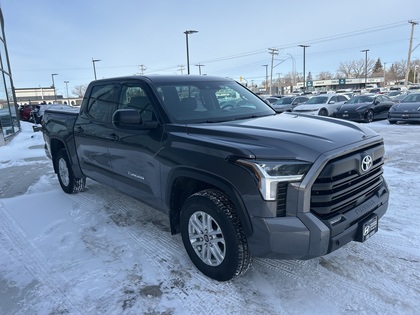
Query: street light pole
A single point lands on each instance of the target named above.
(53, 85)
(304, 60)
(67, 89)
(94, 68)
(188, 53)
(365, 51)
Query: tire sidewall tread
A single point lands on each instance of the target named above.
(218, 205)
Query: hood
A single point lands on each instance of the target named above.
(284, 136)
(309, 106)
(352, 107)
(407, 106)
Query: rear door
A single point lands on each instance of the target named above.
(134, 152)
(92, 132)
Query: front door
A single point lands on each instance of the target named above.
(134, 152)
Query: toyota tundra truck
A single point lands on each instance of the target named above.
(236, 179)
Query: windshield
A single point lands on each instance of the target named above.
(360, 99)
(317, 100)
(284, 101)
(210, 101)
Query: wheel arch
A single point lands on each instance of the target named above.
(56, 145)
(184, 182)
(323, 109)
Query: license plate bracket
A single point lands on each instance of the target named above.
(367, 228)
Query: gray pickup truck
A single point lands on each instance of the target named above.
(236, 179)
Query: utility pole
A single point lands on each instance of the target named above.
(142, 69)
(272, 51)
(199, 67)
(413, 23)
(181, 68)
(266, 76)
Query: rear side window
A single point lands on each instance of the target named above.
(102, 102)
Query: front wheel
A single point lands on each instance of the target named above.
(213, 235)
(369, 116)
(68, 182)
(323, 112)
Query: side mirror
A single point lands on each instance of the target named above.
(130, 119)
(331, 102)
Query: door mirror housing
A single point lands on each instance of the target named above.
(131, 119)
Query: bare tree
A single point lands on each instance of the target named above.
(80, 90)
(355, 68)
(325, 75)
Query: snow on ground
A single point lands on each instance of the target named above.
(100, 252)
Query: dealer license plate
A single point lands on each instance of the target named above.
(367, 228)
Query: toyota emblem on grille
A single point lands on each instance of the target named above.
(367, 163)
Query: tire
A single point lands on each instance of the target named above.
(369, 116)
(213, 236)
(323, 112)
(68, 182)
(392, 122)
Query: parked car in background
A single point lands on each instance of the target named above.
(269, 99)
(393, 94)
(414, 89)
(408, 110)
(287, 103)
(379, 90)
(323, 105)
(365, 108)
(399, 98)
(25, 112)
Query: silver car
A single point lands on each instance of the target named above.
(323, 105)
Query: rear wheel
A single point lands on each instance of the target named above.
(68, 182)
(213, 236)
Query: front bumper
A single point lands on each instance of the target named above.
(358, 117)
(403, 116)
(307, 236)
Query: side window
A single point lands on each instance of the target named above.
(134, 97)
(342, 98)
(102, 102)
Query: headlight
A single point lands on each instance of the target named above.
(269, 173)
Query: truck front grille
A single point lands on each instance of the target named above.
(343, 185)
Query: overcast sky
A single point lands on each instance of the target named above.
(50, 36)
